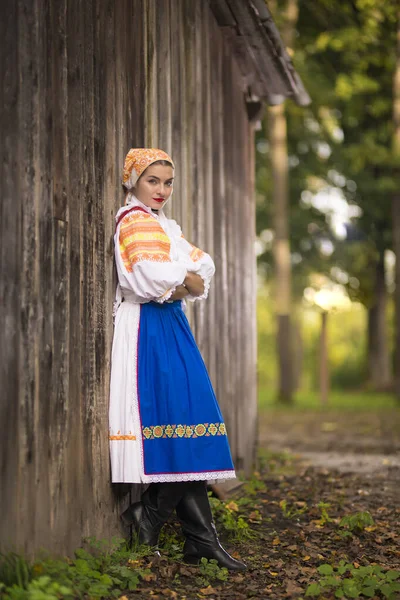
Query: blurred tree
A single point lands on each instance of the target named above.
(278, 161)
(340, 150)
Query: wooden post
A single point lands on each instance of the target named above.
(323, 358)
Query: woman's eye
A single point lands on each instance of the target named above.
(169, 183)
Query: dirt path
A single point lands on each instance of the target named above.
(350, 442)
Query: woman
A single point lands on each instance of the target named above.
(166, 428)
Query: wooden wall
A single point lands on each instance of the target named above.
(83, 81)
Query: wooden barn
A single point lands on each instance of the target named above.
(82, 82)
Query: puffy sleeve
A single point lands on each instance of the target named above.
(202, 263)
(144, 259)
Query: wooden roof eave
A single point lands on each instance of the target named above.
(261, 55)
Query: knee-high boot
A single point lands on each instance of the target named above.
(195, 516)
(154, 508)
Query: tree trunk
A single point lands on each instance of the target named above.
(297, 355)
(396, 207)
(277, 131)
(378, 349)
(279, 167)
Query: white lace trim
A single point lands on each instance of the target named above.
(204, 296)
(209, 476)
(166, 296)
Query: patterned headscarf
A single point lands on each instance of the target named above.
(137, 160)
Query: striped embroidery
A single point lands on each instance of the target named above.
(196, 253)
(122, 437)
(183, 431)
(141, 237)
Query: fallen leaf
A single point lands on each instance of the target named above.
(187, 571)
(292, 587)
(255, 517)
(276, 541)
(208, 591)
(237, 578)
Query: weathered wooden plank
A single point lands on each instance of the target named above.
(60, 405)
(151, 98)
(28, 247)
(220, 180)
(42, 192)
(211, 33)
(200, 164)
(178, 114)
(109, 201)
(76, 477)
(10, 263)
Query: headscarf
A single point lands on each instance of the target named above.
(137, 160)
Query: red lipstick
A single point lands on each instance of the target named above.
(159, 199)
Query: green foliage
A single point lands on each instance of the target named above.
(323, 508)
(291, 511)
(253, 486)
(14, 570)
(210, 571)
(104, 570)
(42, 588)
(358, 522)
(170, 543)
(228, 516)
(348, 581)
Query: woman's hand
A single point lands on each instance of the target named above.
(194, 284)
(180, 292)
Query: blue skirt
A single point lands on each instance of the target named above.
(183, 433)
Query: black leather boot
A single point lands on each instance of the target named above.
(154, 508)
(195, 516)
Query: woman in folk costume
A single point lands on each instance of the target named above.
(166, 428)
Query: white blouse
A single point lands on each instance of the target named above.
(153, 257)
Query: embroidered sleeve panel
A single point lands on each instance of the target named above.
(194, 253)
(141, 237)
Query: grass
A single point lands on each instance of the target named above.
(338, 400)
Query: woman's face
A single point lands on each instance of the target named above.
(154, 187)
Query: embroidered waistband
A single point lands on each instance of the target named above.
(183, 431)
